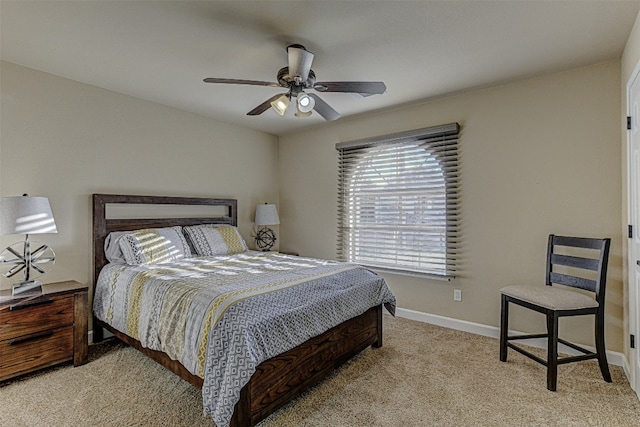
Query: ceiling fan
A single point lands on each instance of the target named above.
(298, 77)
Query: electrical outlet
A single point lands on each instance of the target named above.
(457, 294)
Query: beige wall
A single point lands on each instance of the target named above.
(630, 59)
(538, 156)
(66, 140)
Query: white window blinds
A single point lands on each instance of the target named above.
(398, 203)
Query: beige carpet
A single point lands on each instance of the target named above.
(424, 375)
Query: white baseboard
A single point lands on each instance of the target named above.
(613, 357)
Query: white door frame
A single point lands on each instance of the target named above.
(632, 256)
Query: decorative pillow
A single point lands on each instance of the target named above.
(212, 239)
(154, 246)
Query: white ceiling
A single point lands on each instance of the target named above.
(161, 50)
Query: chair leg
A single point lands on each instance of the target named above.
(600, 348)
(504, 328)
(552, 350)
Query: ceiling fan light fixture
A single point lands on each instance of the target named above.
(305, 103)
(297, 77)
(302, 115)
(280, 104)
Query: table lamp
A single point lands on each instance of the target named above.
(26, 215)
(266, 214)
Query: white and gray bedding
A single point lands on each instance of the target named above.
(221, 316)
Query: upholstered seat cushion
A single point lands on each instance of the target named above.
(550, 297)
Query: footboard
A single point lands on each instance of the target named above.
(282, 378)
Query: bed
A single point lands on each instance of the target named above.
(276, 378)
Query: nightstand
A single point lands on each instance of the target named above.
(39, 332)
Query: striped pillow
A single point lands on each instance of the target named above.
(154, 245)
(212, 239)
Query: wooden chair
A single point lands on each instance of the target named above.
(555, 302)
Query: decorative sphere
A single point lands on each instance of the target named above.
(265, 239)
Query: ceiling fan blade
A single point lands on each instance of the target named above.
(363, 88)
(324, 109)
(264, 106)
(241, 82)
(300, 60)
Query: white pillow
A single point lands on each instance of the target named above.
(212, 239)
(112, 250)
(154, 245)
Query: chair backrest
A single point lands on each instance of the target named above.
(597, 264)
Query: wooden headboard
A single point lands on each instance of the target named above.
(102, 226)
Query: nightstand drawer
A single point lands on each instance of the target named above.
(38, 350)
(44, 313)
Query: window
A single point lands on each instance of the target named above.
(398, 201)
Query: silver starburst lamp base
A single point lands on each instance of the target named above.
(19, 257)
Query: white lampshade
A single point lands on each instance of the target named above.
(26, 215)
(267, 214)
(280, 104)
(305, 103)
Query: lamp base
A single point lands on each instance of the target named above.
(265, 239)
(23, 289)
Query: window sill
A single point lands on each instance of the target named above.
(410, 273)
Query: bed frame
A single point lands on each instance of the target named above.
(277, 380)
